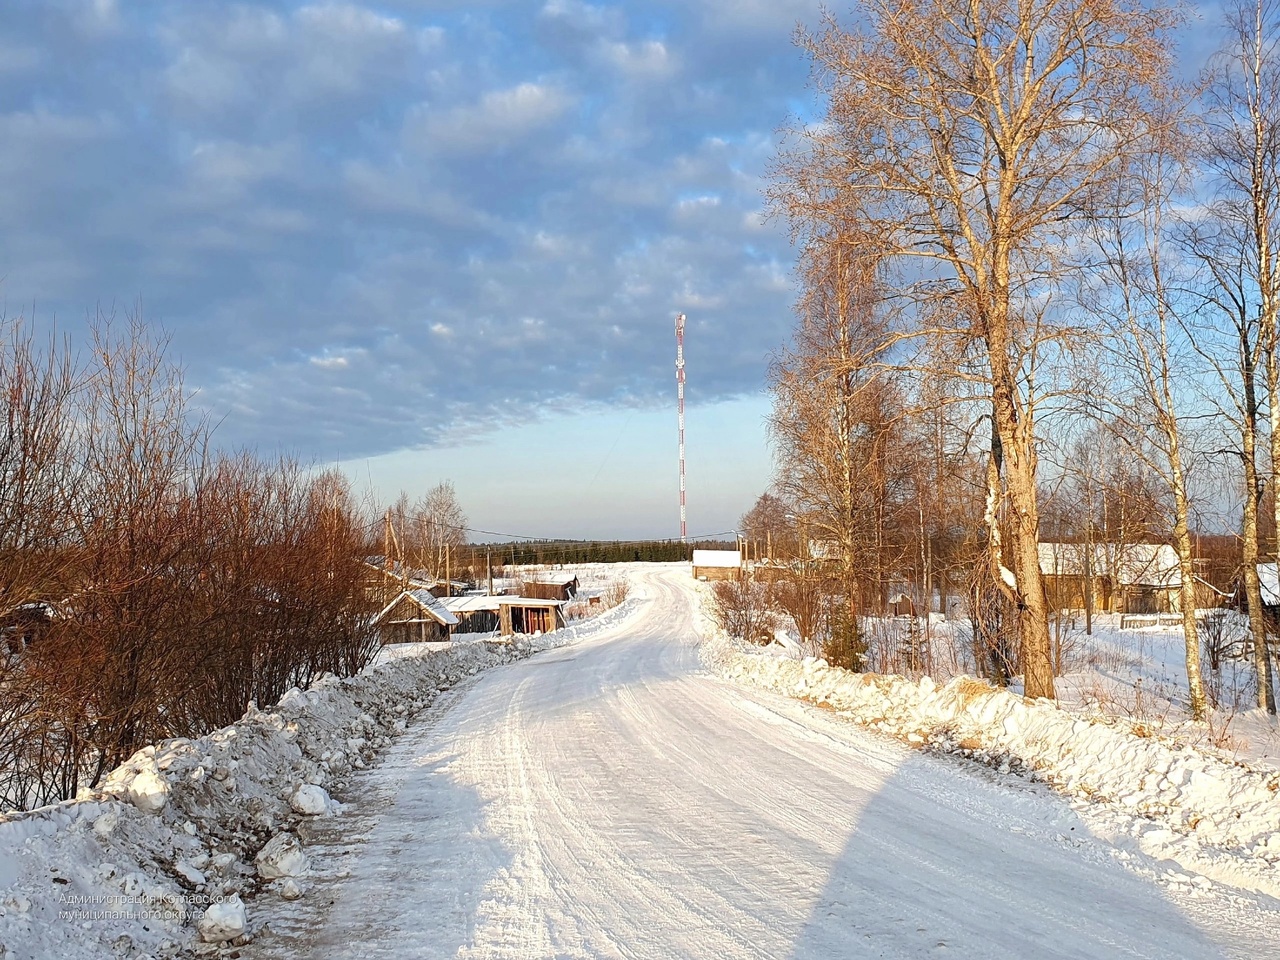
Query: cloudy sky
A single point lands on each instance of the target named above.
(429, 239)
(426, 239)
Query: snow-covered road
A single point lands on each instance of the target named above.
(611, 799)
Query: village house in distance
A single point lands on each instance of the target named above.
(418, 608)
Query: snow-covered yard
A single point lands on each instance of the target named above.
(1118, 670)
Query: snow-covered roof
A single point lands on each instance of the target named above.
(429, 604)
(470, 604)
(476, 604)
(563, 580)
(717, 558)
(1129, 564)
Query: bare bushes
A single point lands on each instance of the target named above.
(181, 584)
(806, 601)
(1224, 649)
(612, 595)
(994, 632)
(744, 609)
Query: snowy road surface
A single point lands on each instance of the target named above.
(613, 800)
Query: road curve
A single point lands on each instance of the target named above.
(612, 800)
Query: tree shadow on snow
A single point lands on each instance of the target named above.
(947, 859)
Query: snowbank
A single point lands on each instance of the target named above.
(1215, 816)
(165, 856)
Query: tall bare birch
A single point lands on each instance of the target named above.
(1242, 149)
(1133, 291)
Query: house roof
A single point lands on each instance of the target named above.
(1129, 564)
(561, 581)
(477, 604)
(717, 558)
(428, 604)
(470, 604)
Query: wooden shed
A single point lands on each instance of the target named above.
(551, 588)
(415, 616)
(717, 564)
(476, 614)
(529, 615)
(507, 615)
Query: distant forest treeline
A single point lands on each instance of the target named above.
(551, 552)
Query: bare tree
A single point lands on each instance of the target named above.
(439, 529)
(970, 140)
(1150, 358)
(769, 521)
(1239, 248)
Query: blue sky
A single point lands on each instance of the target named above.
(429, 239)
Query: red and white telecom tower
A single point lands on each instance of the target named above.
(680, 408)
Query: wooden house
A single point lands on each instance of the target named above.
(415, 616)
(1123, 578)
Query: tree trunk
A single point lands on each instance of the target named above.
(1187, 593)
(1249, 560)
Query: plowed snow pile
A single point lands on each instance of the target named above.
(166, 856)
(1213, 816)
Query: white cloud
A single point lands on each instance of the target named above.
(646, 60)
(500, 119)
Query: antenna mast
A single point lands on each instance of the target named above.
(680, 410)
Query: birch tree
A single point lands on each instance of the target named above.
(970, 140)
(1237, 245)
(1132, 290)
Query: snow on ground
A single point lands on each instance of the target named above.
(614, 800)
(179, 847)
(1213, 815)
(1136, 673)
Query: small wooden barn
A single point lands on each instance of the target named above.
(901, 605)
(507, 615)
(717, 564)
(529, 615)
(415, 616)
(551, 587)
